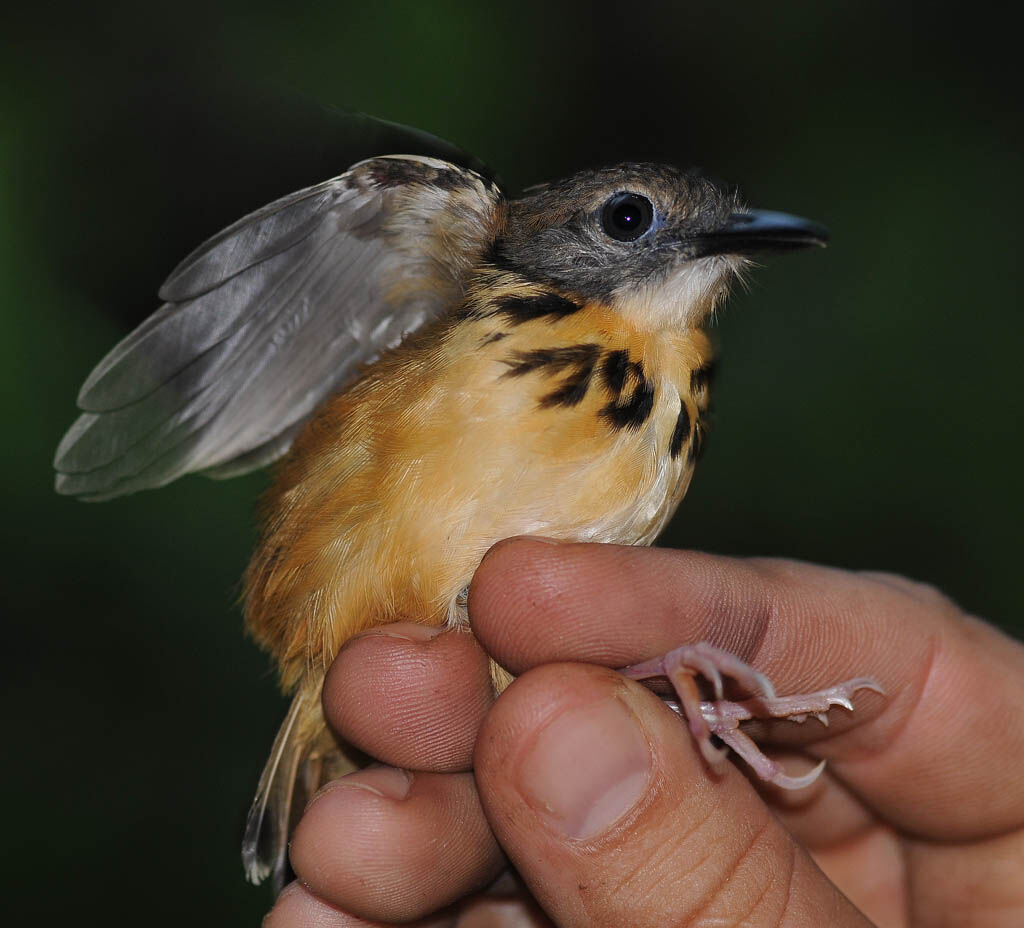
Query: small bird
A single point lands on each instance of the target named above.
(441, 366)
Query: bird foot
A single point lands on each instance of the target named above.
(721, 717)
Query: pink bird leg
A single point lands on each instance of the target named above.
(722, 717)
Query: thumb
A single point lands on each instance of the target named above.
(596, 793)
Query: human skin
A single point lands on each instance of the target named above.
(589, 786)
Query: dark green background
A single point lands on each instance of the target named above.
(868, 413)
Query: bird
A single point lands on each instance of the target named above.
(436, 365)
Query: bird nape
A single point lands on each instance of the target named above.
(439, 366)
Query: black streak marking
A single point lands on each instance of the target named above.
(558, 359)
(491, 339)
(632, 413)
(701, 380)
(574, 388)
(613, 370)
(697, 445)
(520, 309)
(579, 359)
(681, 433)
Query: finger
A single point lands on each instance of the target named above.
(297, 907)
(505, 904)
(610, 817)
(388, 845)
(862, 855)
(533, 602)
(410, 696)
(930, 763)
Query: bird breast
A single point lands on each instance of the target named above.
(490, 425)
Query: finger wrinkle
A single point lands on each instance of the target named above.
(724, 883)
(673, 847)
(767, 885)
(733, 869)
(788, 893)
(687, 856)
(647, 873)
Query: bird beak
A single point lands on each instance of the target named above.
(759, 231)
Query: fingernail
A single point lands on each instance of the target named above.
(405, 631)
(388, 782)
(587, 768)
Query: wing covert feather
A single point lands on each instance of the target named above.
(270, 317)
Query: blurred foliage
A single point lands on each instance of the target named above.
(865, 413)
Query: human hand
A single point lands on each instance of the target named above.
(593, 787)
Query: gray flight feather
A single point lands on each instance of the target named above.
(267, 319)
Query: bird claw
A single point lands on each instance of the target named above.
(721, 717)
(787, 782)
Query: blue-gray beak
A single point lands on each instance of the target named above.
(760, 231)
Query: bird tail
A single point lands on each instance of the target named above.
(265, 844)
(303, 746)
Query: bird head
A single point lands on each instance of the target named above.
(657, 244)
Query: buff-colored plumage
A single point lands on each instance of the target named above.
(532, 366)
(391, 496)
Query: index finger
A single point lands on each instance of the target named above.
(929, 762)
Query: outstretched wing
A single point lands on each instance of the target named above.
(268, 318)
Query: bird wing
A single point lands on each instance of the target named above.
(268, 318)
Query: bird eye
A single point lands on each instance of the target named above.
(627, 216)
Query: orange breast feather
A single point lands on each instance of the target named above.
(467, 434)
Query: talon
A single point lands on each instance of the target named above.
(866, 683)
(716, 682)
(709, 671)
(784, 781)
(840, 701)
(715, 757)
(767, 687)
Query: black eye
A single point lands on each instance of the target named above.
(626, 216)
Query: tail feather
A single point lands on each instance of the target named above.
(265, 843)
(303, 758)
